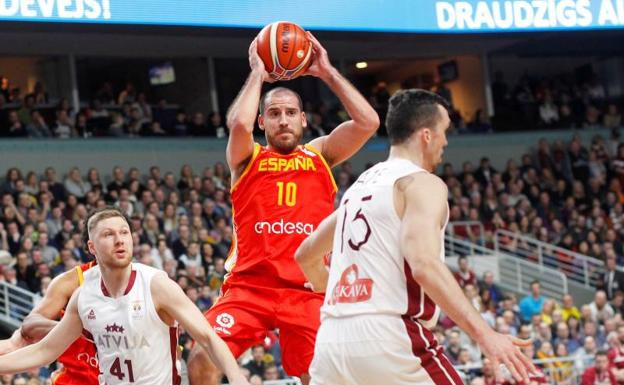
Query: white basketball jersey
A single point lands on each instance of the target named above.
(134, 346)
(368, 274)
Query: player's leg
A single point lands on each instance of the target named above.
(201, 369)
(237, 318)
(298, 318)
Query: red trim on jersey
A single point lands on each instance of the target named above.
(87, 334)
(426, 348)
(413, 292)
(128, 288)
(419, 304)
(173, 344)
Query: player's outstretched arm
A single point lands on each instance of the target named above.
(169, 297)
(48, 349)
(242, 114)
(425, 212)
(346, 139)
(310, 253)
(16, 341)
(41, 319)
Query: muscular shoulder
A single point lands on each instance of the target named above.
(423, 184)
(161, 286)
(64, 284)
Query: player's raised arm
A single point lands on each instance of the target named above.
(242, 115)
(346, 139)
(49, 348)
(169, 297)
(41, 319)
(425, 197)
(310, 253)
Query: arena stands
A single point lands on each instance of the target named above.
(564, 193)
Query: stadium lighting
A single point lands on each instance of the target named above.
(361, 65)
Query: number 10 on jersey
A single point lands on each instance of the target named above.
(286, 194)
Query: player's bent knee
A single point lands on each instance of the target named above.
(201, 369)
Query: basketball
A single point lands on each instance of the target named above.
(285, 50)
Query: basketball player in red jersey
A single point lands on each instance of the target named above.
(80, 366)
(280, 193)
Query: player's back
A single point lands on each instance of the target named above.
(368, 273)
(133, 344)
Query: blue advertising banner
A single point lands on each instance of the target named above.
(424, 16)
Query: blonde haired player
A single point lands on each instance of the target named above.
(387, 266)
(129, 310)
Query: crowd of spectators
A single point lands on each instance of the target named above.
(130, 114)
(574, 343)
(569, 194)
(564, 101)
(132, 118)
(182, 224)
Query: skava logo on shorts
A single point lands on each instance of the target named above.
(351, 288)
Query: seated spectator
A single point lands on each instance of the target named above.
(165, 116)
(548, 112)
(128, 95)
(63, 127)
(137, 123)
(192, 258)
(38, 128)
(15, 125)
(25, 112)
(180, 126)
(152, 129)
(49, 253)
(75, 185)
(613, 117)
(585, 355)
(532, 305)
(198, 126)
(256, 365)
(600, 308)
(215, 279)
(599, 374)
(481, 123)
(215, 124)
(117, 126)
(464, 275)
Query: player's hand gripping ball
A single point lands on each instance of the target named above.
(285, 50)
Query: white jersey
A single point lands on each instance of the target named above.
(134, 346)
(368, 274)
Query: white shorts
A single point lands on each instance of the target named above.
(378, 349)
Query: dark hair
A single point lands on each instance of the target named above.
(277, 90)
(95, 217)
(410, 110)
(601, 352)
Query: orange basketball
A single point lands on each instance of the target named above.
(285, 50)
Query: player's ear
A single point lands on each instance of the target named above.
(261, 121)
(91, 247)
(427, 134)
(304, 120)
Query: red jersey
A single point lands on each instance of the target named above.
(463, 280)
(80, 364)
(591, 377)
(277, 202)
(616, 359)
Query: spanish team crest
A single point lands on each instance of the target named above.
(137, 309)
